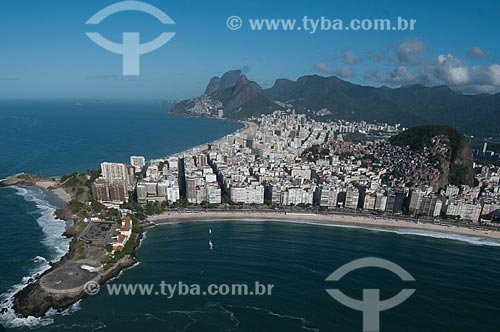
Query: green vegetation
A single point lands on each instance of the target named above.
(141, 211)
(207, 205)
(458, 160)
(449, 217)
(152, 208)
(110, 259)
(226, 199)
(314, 153)
(72, 181)
(458, 174)
(304, 206)
(419, 137)
(354, 137)
(79, 185)
(180, 203)
(81, 226)
(81, 249)
(75, 206)
(29, 177)
(494, 218)
(83, 204)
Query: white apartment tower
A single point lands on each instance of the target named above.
(138, 162)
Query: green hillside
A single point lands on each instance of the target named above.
(456, 164)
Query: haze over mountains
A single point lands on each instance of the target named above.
(333, 98)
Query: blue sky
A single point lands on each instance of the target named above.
(46, 54)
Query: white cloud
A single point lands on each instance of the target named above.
(409, 52)
(350, 58)
(323, 68)
(452, 70)
(408, 66)
(476, 79)
(494, 72)
(477, 52)
(377, 56)
(399, 76)
(444, 69)
(344, 71)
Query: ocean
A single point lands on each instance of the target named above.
(57, 137)
(457, 278)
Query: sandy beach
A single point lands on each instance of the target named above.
(372, 222)
(52, 186)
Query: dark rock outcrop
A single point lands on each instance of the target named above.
(228, 80)
(34, 301)
(244, 99)
(22, 179)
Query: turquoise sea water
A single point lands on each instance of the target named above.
(457, 278)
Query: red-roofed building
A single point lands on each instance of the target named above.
(124, 235)
(126, 228)
(119, 242)
(117, 247)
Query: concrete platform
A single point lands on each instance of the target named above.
(68, 278)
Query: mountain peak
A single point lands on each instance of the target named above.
(243, 78)
(228, 80)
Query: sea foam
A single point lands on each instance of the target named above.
(58, 245)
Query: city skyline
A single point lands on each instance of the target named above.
(285, 160)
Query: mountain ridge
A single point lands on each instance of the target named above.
(327, 98)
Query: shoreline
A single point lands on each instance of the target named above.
(51, 184)
(53, 187)
(247, 125)
(32, 298)
(338, 219)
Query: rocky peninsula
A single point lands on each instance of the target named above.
(89, 260)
